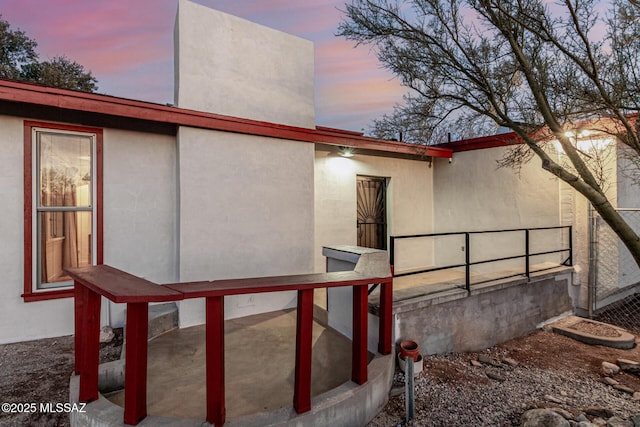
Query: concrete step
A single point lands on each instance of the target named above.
(162, 318)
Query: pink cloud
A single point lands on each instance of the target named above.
(128, 46)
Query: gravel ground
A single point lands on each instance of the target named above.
(38, 372)
(546, 370)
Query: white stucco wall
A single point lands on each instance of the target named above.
(228, 65)
(139, 225)
(140, 207)
(628, 187)
(628, 195)
(472, 194)
(20, 321)
(246, 210)
(409, 203)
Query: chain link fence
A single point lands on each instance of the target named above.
(616, 276)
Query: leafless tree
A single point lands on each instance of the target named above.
(545, 70)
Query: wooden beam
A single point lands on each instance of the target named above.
(135, 376)
(359, 353)
(385, 320)
(216, 412)
(90, 348)
(304, 334)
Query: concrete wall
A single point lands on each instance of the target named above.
(227, 65)
(140, 210)
(246, 210)
(487, 317)
(409, 203)
(472, 194)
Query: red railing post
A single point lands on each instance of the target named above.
(304, 333)
(78, 312)
(384, 328)
(90, 346)
(216, 412)
(135, 376)
(359, 354)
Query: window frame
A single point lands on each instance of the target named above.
(31, 293)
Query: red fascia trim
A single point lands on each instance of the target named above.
(491, 141)
(110, 105)
(339, 131)
(28, 213)
(99, 212)
(29, 295)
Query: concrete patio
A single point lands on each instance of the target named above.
(259, 366)
(259, 378)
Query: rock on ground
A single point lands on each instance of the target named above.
(552, 372)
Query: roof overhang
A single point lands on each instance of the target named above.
(29, 100)
(491, 141)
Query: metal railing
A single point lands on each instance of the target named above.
(468, 263)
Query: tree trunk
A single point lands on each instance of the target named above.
(598, 200)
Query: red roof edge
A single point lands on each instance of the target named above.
(491, 141)
(26, 93)
(340, 131)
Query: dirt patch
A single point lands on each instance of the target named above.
(38, 372)
(452, 372)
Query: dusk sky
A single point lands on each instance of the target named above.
(128, 46)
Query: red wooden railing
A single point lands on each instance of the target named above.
(118, 286)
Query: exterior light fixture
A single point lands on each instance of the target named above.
(584, 140)
(346, 152)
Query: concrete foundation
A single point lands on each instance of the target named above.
(455, 321)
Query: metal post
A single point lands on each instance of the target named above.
(467, 272)
(410, 404)
(593, 262)
(392, 249)
(570, 245)
(526, 253)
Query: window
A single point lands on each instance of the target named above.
(63, 206)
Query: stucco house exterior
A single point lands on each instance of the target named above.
(235, 180)
(223, 185)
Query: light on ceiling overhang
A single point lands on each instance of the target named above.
(346, 152)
